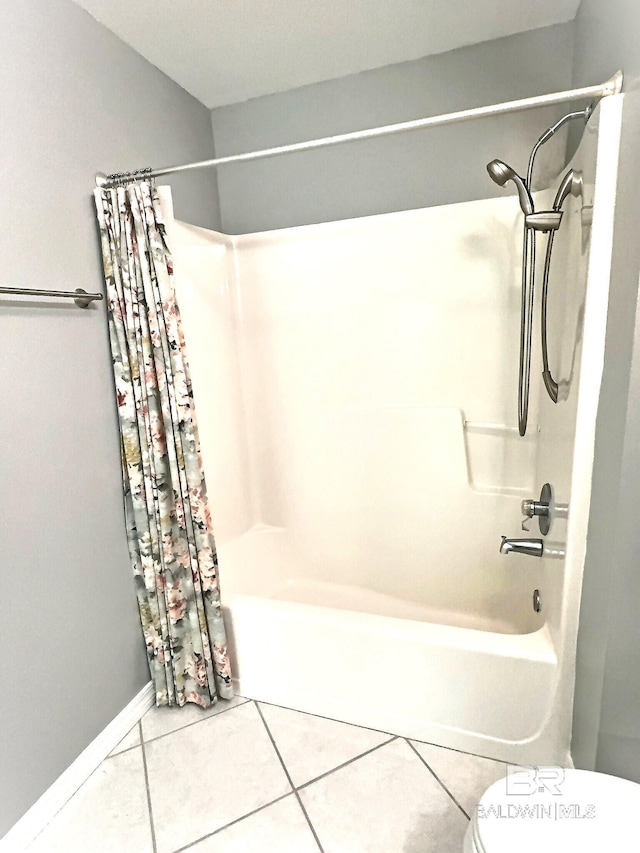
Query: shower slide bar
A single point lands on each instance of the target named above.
(610, 87)
(79, 296)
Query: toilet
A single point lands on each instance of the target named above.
(551, 810)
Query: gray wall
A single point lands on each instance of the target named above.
(74, 100)
(606, 724)
(411, 170)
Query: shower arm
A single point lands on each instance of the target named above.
(546, 136)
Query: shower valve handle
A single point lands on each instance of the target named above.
(531, 508)
(542, 509)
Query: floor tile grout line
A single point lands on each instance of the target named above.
(234, 822)
(187, 725)
(295, 790)
(122, 751)
(345, 763)
(273, 705)
(308, 819)
(323, 717)
(459, 751)
(382, 732)
(436, 777)
(146, 785)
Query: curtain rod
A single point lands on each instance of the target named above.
(610, 87)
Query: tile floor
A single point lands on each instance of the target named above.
(247, 777)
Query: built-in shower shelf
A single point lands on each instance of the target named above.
(499, 460)
(480, 426)
(395, 452)
(513, 491)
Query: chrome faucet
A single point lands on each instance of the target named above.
(532, 547)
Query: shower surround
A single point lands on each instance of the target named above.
(356, 392)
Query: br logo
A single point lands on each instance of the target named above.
(525, 781)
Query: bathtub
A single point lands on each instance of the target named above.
(370, 659)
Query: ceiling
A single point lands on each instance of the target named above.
(225, 51)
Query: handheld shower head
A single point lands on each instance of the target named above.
(571, 183)
(500, 173)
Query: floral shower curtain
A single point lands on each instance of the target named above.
(167, 515)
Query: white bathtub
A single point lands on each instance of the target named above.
(401, 668)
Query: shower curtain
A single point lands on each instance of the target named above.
(166, 510)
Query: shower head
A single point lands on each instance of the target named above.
(571, 183)
(500, 173)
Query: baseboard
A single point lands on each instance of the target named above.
(43, 810)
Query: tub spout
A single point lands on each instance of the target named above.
(532, 547)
